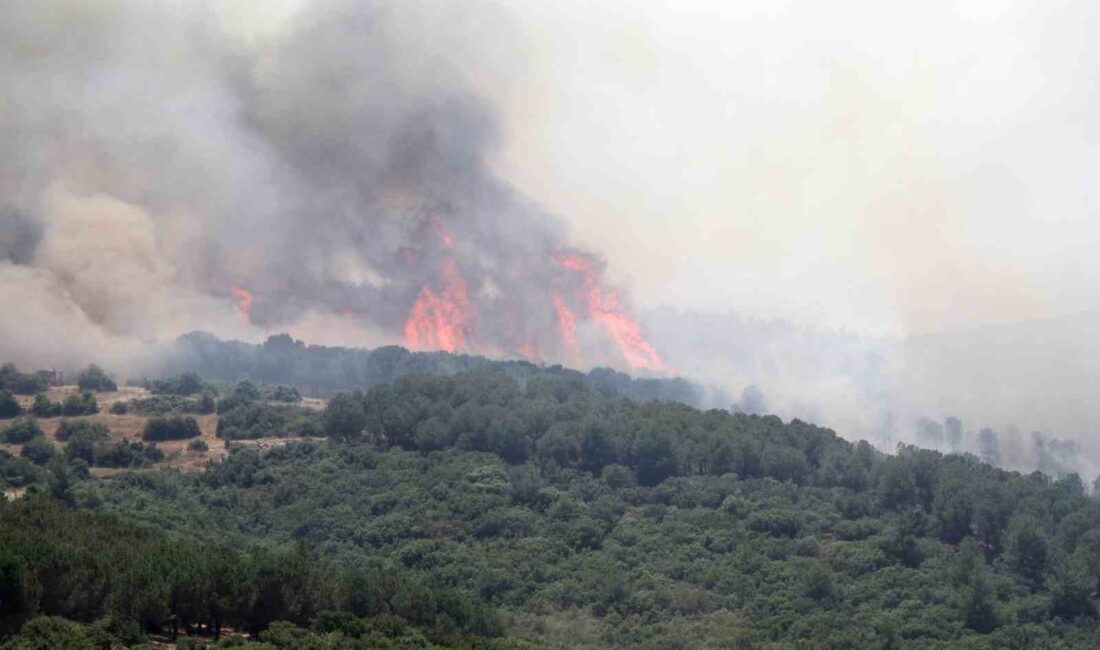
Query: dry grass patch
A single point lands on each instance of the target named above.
(131, 426)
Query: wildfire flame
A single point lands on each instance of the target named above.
(567, 327)
(443, 315)
(439, 319)
(243, 302)
(605, 307)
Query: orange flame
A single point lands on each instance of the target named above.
(567, 326)
(243, 303)
(604, 306)
(443, 315)
(439, 320)
(529, 350)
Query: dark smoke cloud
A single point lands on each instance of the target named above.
(153, 162)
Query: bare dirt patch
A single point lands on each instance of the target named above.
(11, 494)
(315, 403)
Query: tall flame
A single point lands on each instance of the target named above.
(567, 327)
(243, 303)
(605, 307)
(443, 315)
(440, 319)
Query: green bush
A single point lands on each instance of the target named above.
(781, 523)
(43, 407)
(93, 378)
(67, 428)
(251, 420)
(126, 454)
(9, 407)
(22, 430)
(38, 450)
(54, 632)
(18, 471)
(82, 445)
(168, 404)
(171, 428)
(183, 384)
(21, 383)
(82, 404)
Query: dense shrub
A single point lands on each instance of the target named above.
(126, 454)
(82, 445)
(93, 378)
(280, 393)
(21, 430)
(123, 579)
(21, 383)
(82, 404)
(54, 632)
(16, 471)
(249, 420)
(184, 384)
(171, 428)
(38, 450)
(9, 407)
(119, 408)
(168, 404)
(44, 407)
(243, 415)
(67, 428)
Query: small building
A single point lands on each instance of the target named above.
(52, 375)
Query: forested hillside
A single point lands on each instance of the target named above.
(321, 370)
(489, 509)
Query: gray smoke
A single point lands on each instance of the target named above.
(1018, 396)
(154, 162)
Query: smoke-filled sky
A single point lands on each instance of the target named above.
(855, 165)
(872, 211)
(172, 165)
(884, 167)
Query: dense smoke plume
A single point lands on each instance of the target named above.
(164, 175)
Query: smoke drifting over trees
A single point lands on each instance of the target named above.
(331, 178)
(163, 175)
(1015, 396)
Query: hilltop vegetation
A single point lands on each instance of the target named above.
(323, 371)
(494, 510)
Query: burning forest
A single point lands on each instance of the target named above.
(336, 174)
(446, 313)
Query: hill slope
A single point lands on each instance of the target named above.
(479, 509)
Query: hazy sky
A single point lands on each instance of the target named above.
(883, 167)
(904, 167)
